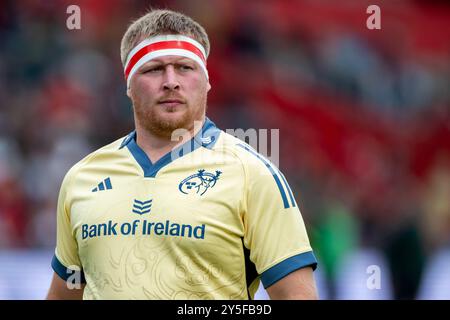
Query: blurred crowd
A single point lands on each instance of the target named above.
(364, 115)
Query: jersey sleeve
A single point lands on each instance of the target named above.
(65, 260)
(275, 233)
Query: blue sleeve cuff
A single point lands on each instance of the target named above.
(282, 269)
(63, 272)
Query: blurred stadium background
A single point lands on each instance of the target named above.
(363, 117)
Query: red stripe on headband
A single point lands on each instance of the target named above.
(161, 46)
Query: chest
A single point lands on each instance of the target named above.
(201, 205)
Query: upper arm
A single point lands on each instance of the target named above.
(59, 290)
(298, 285)
(275, 233)
(66, 251)
(66, 262)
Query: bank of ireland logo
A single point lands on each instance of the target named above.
(199, 183)
(142, 206)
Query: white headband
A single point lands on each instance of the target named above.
(164, 45)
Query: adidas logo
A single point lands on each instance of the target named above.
(142, 207)
(104, 185)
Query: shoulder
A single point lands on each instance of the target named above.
(99, 158)
(254, 163)
(262, 175)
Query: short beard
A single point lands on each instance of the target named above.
(158, 126)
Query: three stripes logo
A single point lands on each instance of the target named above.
(104, 185)
(142, 207)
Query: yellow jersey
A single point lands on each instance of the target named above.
(209, 220)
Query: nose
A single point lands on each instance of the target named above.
(170, 79)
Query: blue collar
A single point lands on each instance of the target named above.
(206, 137)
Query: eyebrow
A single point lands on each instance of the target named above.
(180, 60)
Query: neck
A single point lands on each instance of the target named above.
(156, 147)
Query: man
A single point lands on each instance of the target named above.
(198, 216)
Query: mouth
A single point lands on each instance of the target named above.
(171, 102)
(179, 101)
(171, 105)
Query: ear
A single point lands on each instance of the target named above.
(208, 86)
(129, 93)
